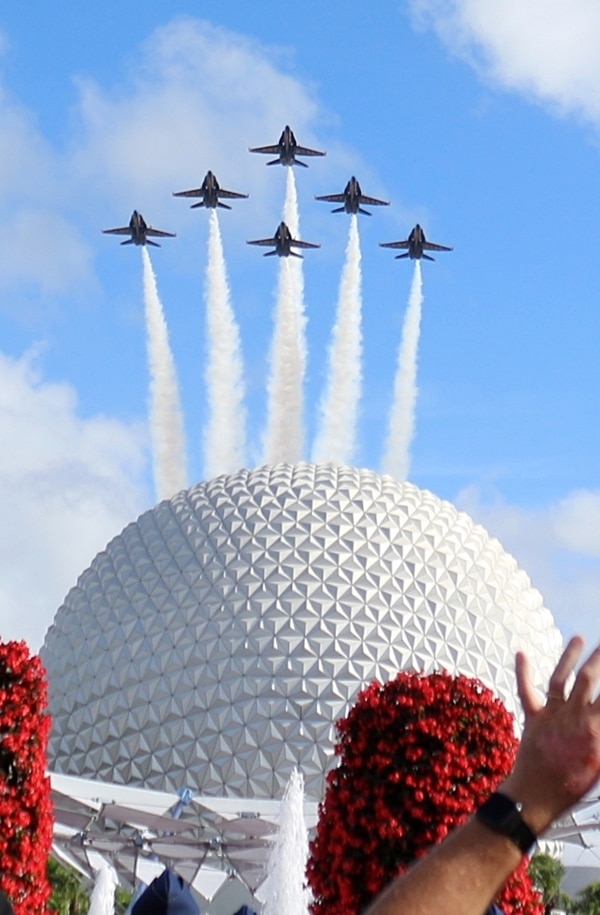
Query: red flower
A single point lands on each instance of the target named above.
(25, 807)
(415, 757)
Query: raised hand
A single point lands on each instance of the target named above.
(559, 756)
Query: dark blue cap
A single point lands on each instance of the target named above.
(168, 894)
(493, 910)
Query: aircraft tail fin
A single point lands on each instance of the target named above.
(400, 257)
(364, 212)
(155, 244)
(128, 242)
(224, 206)
(300, 162)
(338, 210)
(195, 206)
(270, 253)
(427, 257)
(274, 162)
(295, 254)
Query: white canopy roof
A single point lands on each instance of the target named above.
(207, 840)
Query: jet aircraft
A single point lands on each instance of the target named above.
(283, 243)
(417, 244)
(286, 150)
(139, 232)
(210, 192)
(352, 198)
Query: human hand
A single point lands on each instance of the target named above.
(558, 760)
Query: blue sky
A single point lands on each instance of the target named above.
(478, 120)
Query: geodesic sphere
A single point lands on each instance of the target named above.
(215, 641)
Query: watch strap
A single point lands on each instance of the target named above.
(503, 815)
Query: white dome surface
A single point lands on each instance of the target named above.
(215, 641)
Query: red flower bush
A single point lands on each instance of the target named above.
(417, 755)
(25, 806)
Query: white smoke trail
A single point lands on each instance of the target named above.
(224, 436)
(166, 417)
(284, 438)
(336, 438)
(402, 417)
(102, 900)
(285, 889)
(290, 208)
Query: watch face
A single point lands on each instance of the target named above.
(499, 809)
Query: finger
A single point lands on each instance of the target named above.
(565, 666)
(527, 693)
(587, 678)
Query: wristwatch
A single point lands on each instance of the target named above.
(502, 815)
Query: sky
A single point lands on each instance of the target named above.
(476, 119)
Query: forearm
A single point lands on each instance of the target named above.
(463, 874)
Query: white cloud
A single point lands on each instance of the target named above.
(547, 49)
(577, 522)
(194, 97)
(197, 98)
(67, 486)
(40, 248)
(27, 162)
(559, 548)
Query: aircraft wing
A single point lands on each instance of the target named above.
(373, 201)
(157, 233)
(195, 192)
(268, 150)
(332, 198)
(231, 195)
(304, 151)
(429, 246)
(125, 230)
(263, 241)
(395, 244)
(296, 243)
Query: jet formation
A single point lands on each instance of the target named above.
(352, 199)
(286, 150)
(139, 231)
(211, 192)
(417, 244)
(283, 243)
